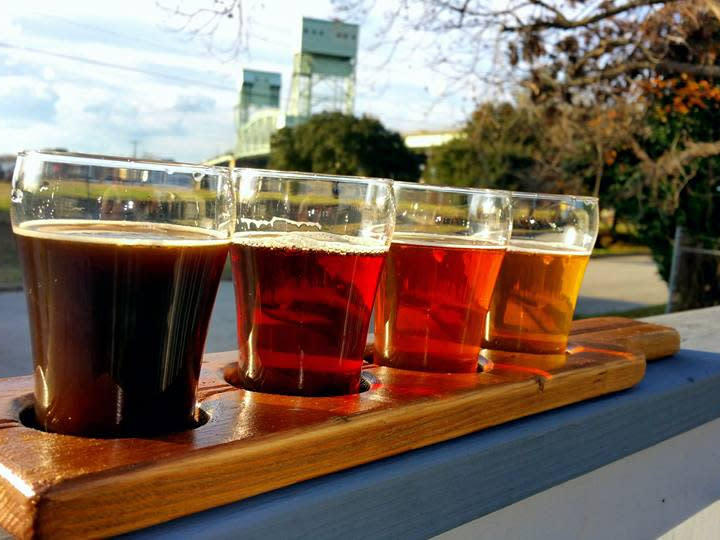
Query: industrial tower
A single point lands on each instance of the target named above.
(260, 89)
(324, 70)
(257, 113)
(323, 79)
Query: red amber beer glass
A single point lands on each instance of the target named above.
(444, 259)
(121, 264)
(306, 257)
(540, 278)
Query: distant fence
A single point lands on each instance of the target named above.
(695, 272)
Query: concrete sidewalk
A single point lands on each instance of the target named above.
(611, 284)
(620, 283)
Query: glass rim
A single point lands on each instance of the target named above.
(417, 186)
(299, 175)
(118, 162)
(554, 197)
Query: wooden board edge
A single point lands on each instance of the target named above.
(600, 324)
(67, 510)
(662, 342)
(18, 510)
(654, 340)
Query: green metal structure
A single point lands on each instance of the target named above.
(257, 113)
(324, 70)
(323, 79)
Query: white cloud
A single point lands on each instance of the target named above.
(137, 80)
(194, 104)
(27, 100)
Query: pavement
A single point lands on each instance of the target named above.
(620, 283)
(611, 284)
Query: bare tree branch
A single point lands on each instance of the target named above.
(204, 24)
(610, 73)
(677, 68)
(562, 23)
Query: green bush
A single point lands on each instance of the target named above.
(335, 143)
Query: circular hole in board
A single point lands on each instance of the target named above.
(28, 419)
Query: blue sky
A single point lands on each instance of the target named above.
(169, 93)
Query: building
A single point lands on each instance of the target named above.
(323, 79)
(423, 141)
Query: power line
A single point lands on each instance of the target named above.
(155, 44)
(125, 37)
(118, 67)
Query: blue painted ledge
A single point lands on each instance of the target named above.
(431, 490)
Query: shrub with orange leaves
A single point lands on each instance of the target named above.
(681, 94)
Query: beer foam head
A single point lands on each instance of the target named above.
(311, 241)
(118, 232)
(445, 240)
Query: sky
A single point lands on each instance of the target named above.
(120, 77)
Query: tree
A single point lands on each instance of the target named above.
(670, 175)
(552, 46)
(592, 69)
(497, 149)
(580, 60)
(519, 147)
(625, 89)
(335, 143)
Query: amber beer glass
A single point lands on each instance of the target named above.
(306, 257)
(534, 300)
(121, 264)
(444, 259)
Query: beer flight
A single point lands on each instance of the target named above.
(122, 260)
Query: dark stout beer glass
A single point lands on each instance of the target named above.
(534, 300)
(121, 264)
(441, 270)
(306, 257)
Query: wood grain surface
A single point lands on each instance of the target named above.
(653, 340)
(63, 486)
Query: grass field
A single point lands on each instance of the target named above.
(9, 266)
(5, 200)
(621, 249)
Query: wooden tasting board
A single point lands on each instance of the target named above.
(62, 486)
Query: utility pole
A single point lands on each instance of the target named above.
(135, 145)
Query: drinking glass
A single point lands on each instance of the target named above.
(444, 259)
(306, 257)
(121, 263)
(540, 278)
